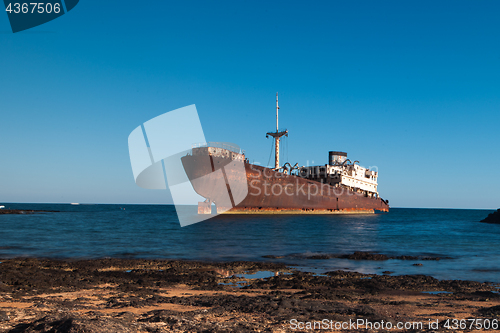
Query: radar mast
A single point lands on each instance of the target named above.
(277, 135)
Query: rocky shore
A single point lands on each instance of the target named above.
(117, 295)
(493, 218)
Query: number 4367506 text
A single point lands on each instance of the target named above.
(34, 7)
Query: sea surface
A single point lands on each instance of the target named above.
(470, 250)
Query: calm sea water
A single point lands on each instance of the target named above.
(152, 231)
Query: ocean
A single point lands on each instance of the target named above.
(469, 250)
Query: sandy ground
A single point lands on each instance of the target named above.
(115, 295)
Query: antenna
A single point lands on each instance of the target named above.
(277, 108)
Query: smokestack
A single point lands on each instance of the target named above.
(336, 157)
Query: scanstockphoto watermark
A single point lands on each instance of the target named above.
(365, 324)
(360, 324)
(310, 190)
(163, 155)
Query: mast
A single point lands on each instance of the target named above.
(277, 135)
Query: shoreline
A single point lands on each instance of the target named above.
(140, 295)
(365, 262)
(25, 211)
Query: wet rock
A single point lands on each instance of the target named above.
(358, 255)
(365, 256)
(321, 256)
(4, 316)
(65, 324)
(490, 311)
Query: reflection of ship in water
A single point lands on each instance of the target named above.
(221, 174)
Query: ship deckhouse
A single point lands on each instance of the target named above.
(341, 171)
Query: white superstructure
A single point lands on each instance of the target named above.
(343, 172)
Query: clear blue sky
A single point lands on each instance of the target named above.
(410, 87)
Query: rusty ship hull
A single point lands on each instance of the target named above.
(270, 191)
